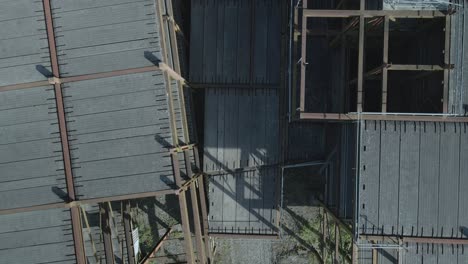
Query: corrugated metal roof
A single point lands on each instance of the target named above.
(37, 237)
(411, 178)
(31, 165)
(100, 36)
(120, 135)
(243, 202)
(241, 128)
(222, 47)
(23, 42)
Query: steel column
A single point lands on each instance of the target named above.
(195, 211)
(360, 72)
(385, 61)
(106, 233)
(203, 207)
(447, 63)
(303, 58)
(183, 211)
(127, 219)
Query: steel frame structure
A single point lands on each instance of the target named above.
(171, 72)
(360, 15)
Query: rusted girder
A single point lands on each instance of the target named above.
(183, 211)
(243, 236)
(74, 212)
(373, 13)
(409, 239)
(196, 213)
(106, 233)
(152, 255)
(127, 219)
(383, 117)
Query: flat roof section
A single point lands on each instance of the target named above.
(241, 128)
(31, 163)
(235, 42)
(243, 201)
(102, 36)
(24, 55)
(37, 237)
(412, 177)
(120, 135)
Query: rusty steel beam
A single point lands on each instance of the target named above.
(147, 259)
(127, 219)
(385, 62)
(446, 62)
(93, 76)
(74, 212)
(203, 200)
(195, 211)
(382, 117)
(106, 233)
(86, 201)
(303, 59)
(243, 236)
(414, 67)
(373, 13)
(183, 211)
(78, 78)
(20, 86)
(422, 240)
(360, 71)
(233, 85)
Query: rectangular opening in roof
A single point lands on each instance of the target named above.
(415, 91)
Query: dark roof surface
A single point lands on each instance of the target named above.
(241, 128)
(232, 41)
(412, 178)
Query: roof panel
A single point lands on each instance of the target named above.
(119, 131)
(23, 41)
(37, 237)
(245, 126)
(428, 200)
(105, 36)
(227, 30)
(30, 149)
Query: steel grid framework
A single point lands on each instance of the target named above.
(360, 16)
(170, 72)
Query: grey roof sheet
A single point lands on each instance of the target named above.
(100, 36)
(243, 202)
(411, 178)
(23, 42)
(120, 135)
(31, 165)
(222, 48)
(241, 128)
(37, 237)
